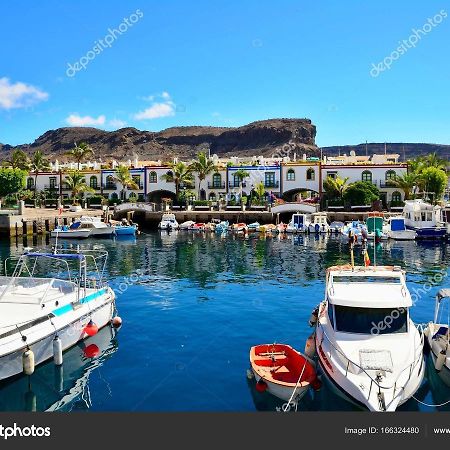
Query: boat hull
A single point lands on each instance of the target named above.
(78, 234)
(429, 233)
(283, 392)
(125, 231)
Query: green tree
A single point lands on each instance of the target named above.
(203, 166)
(433, 160)
(361, 193)
(125, 179)
(181, 175)
(335, 187)
(19, 160)
(260, 190)
(80, 152)
(76, 183)
(435, 181)
(12, 181)
(38, 164)
(406, 182)
(241, 175)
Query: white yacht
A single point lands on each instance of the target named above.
(437, 335)
(424, 219)
(299, 223)
(96, 225)
(42, 317)
(319, 223)
(396, 229)
(168, 222)
(368, 348)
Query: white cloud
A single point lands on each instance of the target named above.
(156, 111)
(76, 120)
(19, 95)
(116, 123)
(165, 95)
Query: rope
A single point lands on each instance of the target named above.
(429, 404)
(296, 386)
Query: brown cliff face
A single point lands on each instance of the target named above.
(266, 137)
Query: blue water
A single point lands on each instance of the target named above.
(192, 306)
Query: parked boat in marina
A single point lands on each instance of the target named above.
(375, 226)
(336, 227)
(355, 228)
(369, 349)
(222, 227)
(125, 230)
(299, 223)
(73, 231)
(96, 225)
(186, 225)
(424, 219)
(437, 335)
(168, 222)
(253, 226)
(396, 229)
(282, 371)
(319, 223)
(42, 317)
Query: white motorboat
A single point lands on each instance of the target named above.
(95, 224)
(424, 219)
(186, 225)
(42, 317)
(74, 231)
(299, 223)
(369, 350)
(168, 222)
(336, 227)
(319, 223)
(437, 335)
(396, 229)
(375, 226)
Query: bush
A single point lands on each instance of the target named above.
(201, 203)
(11, 181)
(95, 200)
(361, 193)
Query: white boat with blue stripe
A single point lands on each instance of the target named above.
(40, 317)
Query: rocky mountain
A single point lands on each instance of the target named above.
(405, 150)
(266, 137)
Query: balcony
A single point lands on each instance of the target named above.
(232, 184)
(272, 184)
(386, 184)
(110, 187)
(216, 185)
(51, 187)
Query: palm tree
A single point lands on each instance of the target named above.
(335, 187)
(203, 166)
(180, 174)
(80, 152)
(76, 182)
(241, 175)
(19, 160)
(124, 177)
(406, 182)
(433, 160)
(38, 164)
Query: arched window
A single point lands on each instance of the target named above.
(290, 175)
(212, 196)
(396, 196)
(110, 182)
(93, 182)
(30, 183)
(153, 177)
(114, 196)
(366, 176)
(390, 175)
(217, 180)
(310, 174)
(169, 174)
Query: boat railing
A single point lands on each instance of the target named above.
(373, 381)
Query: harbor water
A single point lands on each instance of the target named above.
(192, 306)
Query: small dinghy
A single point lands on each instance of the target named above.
(255, 226)
(186, 225)
(282, 371)
(239, 227)
(199, 226)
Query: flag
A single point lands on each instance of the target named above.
(366, 258)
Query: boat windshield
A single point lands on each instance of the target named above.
(372, 321)
(367, 279)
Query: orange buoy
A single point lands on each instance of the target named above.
(116, 322)
(261, 386)
(316, 384)
(91, 329)
(91, 351)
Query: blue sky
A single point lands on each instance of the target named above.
(227, 63)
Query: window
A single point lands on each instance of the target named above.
(371, 320)
(331, 314)
(110, 182)
(137, 180)
(236, 181)
(217, 180)
(52, 181)
(169, 174)
(290, 175)
(153, 177)
(93, 182)
(30, 183)
(367, 176)
(212, 196)
(310, 175)
(390, 175)
(269, 179)
(396, 196)
(332, 175)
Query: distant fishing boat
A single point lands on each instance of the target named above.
(96, 225)
(186, 225)
(336, 227)
(253, 226)
(375, 226)
(73, 231)
(42, 317)
(282, 371)
(168, 222)
(319, 223)
(299, 223)
(222, 227)
(125, 230)
(370, 351)
(424, 219)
